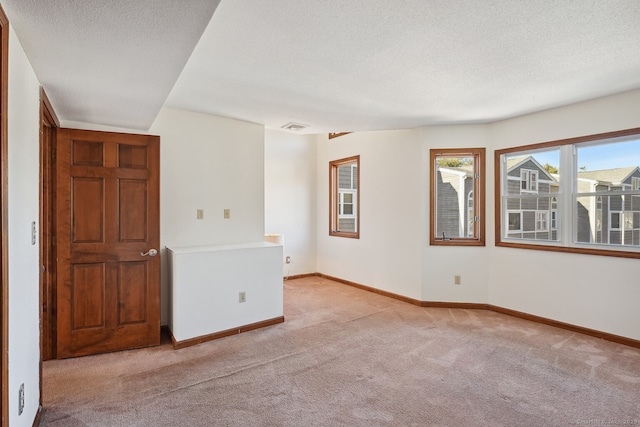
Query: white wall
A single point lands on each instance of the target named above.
(387, 255)
(595, 292)
(211, 163)
(24, 295)
(290, 197)
(208, 281)
(441, 263)
(393, 252)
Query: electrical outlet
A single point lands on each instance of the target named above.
(456, 280)
(200, 214)
(227, 213)
(288, 260)
(21, 399)
(242, 296)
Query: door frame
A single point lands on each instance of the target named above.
(48, 124)
(4, 210)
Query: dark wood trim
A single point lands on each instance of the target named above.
(552, 247)
(497, 197)
(38, 417)
(460, 305)
(48, 124)
(177, 345)
(479, 306)
(374, 290)
(48, 110)
(574, 140)
(337, 134)
(301, 276)
(4, 210)
(567, 326)
(333, 197)
(479, 189)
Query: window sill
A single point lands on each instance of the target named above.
(456, 242)
(612, 252)
(344, 234)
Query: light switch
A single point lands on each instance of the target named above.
(227, 213)
(33, 233)
(200, 213)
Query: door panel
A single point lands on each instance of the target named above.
(108, 216)
(132, 200)
(87, 295)
(87, 221)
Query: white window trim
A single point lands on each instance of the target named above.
(341, 193)
(471, 219)
(544, 221)
(516, 211)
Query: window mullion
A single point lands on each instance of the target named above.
(566, 201)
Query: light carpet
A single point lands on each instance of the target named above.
(347, 357)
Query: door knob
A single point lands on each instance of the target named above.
(152, 252)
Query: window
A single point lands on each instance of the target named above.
(579, 195)
(541, 220)
(515, 219)
(344, 179)
(529, 181)
(457, 197)
(471, 215)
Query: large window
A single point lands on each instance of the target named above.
(457, 197)
(577, 195)
(344, 177)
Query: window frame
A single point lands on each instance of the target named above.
(566, 243)
(542, 220)
(336, 198)
(529, 181)
(479, 194)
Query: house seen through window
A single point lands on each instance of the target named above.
(457, 197)
(344, 199)
(581, 194)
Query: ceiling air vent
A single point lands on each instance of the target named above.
(294, 126)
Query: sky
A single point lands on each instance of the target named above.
(597, 157)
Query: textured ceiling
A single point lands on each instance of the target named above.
(108, 62)
(337, 65)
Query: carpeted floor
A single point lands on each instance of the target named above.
(347, 357)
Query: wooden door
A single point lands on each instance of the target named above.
(108, 285)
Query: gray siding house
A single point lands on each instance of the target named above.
(606, 214)
(454, 190)
(609, 218)
(532, 214)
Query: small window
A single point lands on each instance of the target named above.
(344, 177)
(542, 220)
(457, 197)
(515, 221)
(528, 181)
(635, 183)
(615, 221)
